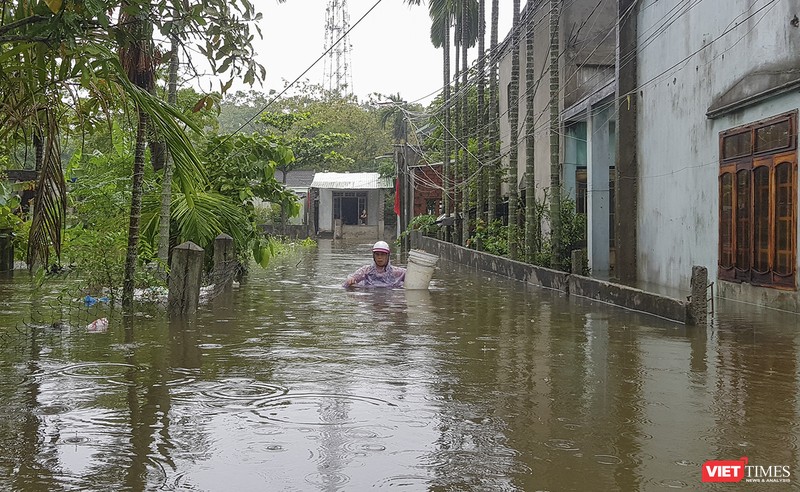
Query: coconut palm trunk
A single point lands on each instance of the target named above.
(138, 61)
(530, 139)
(480, 197)
(166, 182)
(132, 255)
(555, 167)
(465, 129)
(513, 119)
(446, 133)
(494, 117)
(456, 121)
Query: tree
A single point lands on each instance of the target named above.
(463, 14)
(531, 223)
(482, 119)
(555, 167)
(513, 119)
(138, 60)
(494, 118)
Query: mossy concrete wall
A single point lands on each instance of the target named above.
(572, 285)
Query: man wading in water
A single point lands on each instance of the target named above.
(380, 273)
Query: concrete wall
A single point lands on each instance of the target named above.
(574, 285)
(683, 68)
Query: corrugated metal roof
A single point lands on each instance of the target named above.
(297, 178)
(351, 181)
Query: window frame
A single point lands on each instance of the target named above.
(739, 246)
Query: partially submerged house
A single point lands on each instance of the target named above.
(677, 136)
(427, 188)
(714, 155)
(350, 205)
(298, 181)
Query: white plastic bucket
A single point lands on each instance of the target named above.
(419, 269)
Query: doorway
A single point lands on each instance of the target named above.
(349, 206)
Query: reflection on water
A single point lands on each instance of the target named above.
(480, 383)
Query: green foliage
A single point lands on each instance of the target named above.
(98, 257)
(494, 236)
(328, 113)
(307, 243)
(9, 204)
(270, 247)
(426, 224)
(312, 147)
(573, 233)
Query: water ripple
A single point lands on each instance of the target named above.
(316, 408)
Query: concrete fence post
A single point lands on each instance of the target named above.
(698, 305)
(185, 277)
(224, 262)
(577, 261)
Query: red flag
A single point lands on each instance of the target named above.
(397, 196)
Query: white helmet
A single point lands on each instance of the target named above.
(381, 247)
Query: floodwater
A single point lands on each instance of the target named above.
(291, 383)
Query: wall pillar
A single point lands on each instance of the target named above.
(627, 163)
(698, 305)
(599, 159)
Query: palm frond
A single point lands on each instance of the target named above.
(50, 201)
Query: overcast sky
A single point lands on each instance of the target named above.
(391, 48)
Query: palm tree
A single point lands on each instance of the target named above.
(513, 118)
(441, 13)
(530, 122)
(137, 58)
(555, 168)
(465, 130)
(463, 14)
(494, 116)
(166, 181)
(482, 117)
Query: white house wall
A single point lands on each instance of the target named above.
(326, 210)
(374, 208)
(690, 53)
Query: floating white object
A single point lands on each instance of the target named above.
(98, 326)
(419, 269)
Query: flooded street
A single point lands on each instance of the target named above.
(482, 383)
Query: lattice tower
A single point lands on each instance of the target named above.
(337, 76)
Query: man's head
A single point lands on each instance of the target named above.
(380, 253)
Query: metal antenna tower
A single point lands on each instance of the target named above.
(337, 76)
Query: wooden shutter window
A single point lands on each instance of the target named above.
(726, 220)
(743, 208)
(761, 219)
(784, 219)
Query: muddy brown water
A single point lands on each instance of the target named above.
(481, 383)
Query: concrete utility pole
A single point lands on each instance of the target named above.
(627, 165)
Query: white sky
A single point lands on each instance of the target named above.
(391, 48)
